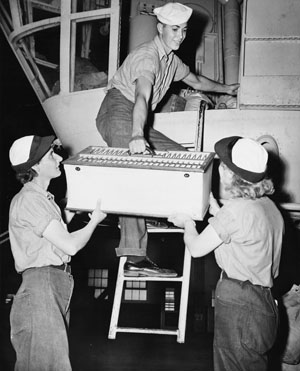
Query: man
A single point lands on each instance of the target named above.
(42, 249)
(135, 89)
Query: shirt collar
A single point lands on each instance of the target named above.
(161, 51)
(37, 188)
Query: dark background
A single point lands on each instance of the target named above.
(20, 114)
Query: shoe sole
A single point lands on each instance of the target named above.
(149, 274)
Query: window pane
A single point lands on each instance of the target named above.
(90, 64)
(82, 6)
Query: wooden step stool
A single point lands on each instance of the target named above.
(185, 283)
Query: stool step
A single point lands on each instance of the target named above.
(145, 331)
(159, 279)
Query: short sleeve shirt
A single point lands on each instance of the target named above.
(31, 211)
(252, 232)
(152, 62)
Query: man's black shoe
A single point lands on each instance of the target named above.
(146, 268)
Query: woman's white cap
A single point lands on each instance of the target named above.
(244, 156)
(249, 155)
(27, 151)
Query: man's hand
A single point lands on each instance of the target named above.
(138, 144)
(232, 89)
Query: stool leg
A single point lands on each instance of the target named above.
(184, 296)
(117, 299)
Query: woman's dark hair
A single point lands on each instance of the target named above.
(27, 176)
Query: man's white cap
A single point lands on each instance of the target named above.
(173, 13)
(249, 155)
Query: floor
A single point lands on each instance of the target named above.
(138, 351)
(91, 350)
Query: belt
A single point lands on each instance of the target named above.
(225, 276)
(64, 267)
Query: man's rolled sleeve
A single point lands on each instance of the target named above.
(143, 67)
(182, 69)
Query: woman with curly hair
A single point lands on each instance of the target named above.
(246, 237)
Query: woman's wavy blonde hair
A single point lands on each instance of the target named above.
(244, 189)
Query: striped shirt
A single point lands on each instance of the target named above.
(149, 60)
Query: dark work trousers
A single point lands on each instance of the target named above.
(246, 322)
(40, 318)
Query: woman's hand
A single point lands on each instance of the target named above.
(213, 205)
(97, 215)
(180, 220)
